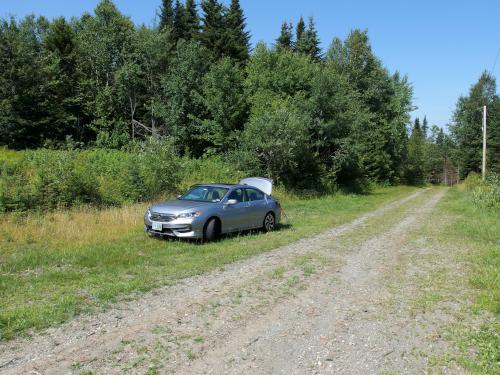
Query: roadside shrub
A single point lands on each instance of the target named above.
(487, 193)
(472, 181)
(48, 179)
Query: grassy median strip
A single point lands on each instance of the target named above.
(60, 264)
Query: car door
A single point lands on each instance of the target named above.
(235, 215)
(257, 206)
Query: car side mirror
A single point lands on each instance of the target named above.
(230, 202)
(179, 196)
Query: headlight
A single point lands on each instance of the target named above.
(189, 215)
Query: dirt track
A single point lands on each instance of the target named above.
(320, 305)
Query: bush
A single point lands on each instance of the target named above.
(487, 193)
(48, 179)
(472, 181)
(276, 143)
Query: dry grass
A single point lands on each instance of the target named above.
(77, 226)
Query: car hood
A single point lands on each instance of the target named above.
(178, 206)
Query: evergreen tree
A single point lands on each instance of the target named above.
(416, 155)
(301, 27)
(308, 43)
(381, 137)
(238, 39)
(285, 40)
(179, 30)
(213, 30)
(182, 87)
(23, 109)
(425, 127)
(191, 21)
(62, 108)
(166, 14)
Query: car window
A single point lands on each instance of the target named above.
(236, 194)
(254, 195)
(203, 193)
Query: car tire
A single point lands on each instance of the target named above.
(211, 230)
(269, 223)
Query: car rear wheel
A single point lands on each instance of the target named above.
(211, 231)
(269, 222)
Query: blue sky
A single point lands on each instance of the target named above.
(442, 45)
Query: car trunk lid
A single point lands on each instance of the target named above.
(261, 183)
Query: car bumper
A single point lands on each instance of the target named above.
(181, 228)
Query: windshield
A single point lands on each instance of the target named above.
(202, 193)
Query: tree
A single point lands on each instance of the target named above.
(466, 128)
(104, 40)
(301, 27)
(191, 21)
(166, 15)
(238, 39)
(416, 155)
(213, 30)
(60, 71)
(425, 127)
(381, 137)
(22, 112)
(263, 149)
(182, 87)
(179, 30)
(225, 105)
(285, 40)
(308, 43)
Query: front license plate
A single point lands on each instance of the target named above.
(156, 226)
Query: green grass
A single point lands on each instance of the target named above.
(7, 155)
(478, 229)
(52, 269)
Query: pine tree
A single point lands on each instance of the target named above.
(238, 39)
(425, 127)
(179, 30)
(166, 14)
(285, 40)
(308, 43)
(213, 30)
(60, 70)
(191, 21)
(416, 155)
(301, 27)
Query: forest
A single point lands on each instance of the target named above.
(100, 90)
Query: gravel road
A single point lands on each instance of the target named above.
(317, 306)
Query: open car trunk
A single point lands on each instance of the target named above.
(261, 183)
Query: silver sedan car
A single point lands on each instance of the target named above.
(209, 210)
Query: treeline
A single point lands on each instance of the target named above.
(466, 128)
(431, 152)
(304, 117)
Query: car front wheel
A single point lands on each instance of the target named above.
(211, 231)
(269, 222)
